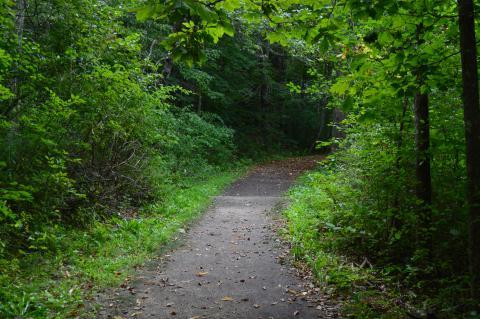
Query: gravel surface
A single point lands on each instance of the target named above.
(230, 263)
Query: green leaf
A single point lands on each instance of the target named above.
(278, 37)
(202, 11)
(228, 28)
(144, 13)
(340, 87)
(385, 38)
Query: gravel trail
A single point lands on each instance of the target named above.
(230, 264)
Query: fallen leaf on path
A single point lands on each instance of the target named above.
(202, 273)
(291, 291)
(256, 306)
(227, 298)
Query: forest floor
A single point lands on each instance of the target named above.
(230, 264)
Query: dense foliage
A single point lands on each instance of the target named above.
(89, 130)
(108, 106)
(360, 204)
(99, 126)
(91, 121)
(408, 183)
(395, 193)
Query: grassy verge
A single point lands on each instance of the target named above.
(365, 291)
(57, 284)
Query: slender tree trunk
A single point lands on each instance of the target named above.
(263, 90)
(168, 63)
(20, 8)
(338, 117)
(199, 104)
(422, 142)
(322, 123)
(471, 107)
(20, 22)
(402, 126)
(395, 221)
(422, 170)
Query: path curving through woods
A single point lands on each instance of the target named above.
(230, 264)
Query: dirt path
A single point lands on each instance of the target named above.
(231, 264)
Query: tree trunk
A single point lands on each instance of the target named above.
(337, 118)
(422, 144)
(168, 63)
(471, 107)
(20, 8)
(322, 123)
(199, 104)
(395, 221)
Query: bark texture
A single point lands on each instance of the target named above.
(422, 142)
(471, 106)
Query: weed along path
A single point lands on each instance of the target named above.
(231, 263)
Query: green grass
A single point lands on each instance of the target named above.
(361, 288)
(59, 283)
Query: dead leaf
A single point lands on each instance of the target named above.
(256, 306)
(227, 298)
(202, 273)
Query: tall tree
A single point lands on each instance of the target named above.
(422, 136)
(422, 145)
(471, 106)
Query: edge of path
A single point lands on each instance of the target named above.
(102, 299)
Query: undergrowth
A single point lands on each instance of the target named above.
(60, 281)
(338, 275)
(335, 226)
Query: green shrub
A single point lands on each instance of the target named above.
(361, 204)
(93, 132)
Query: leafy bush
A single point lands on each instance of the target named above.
(93, 131)
(361, 204)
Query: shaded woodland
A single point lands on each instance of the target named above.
(111, 110)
